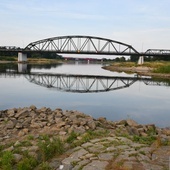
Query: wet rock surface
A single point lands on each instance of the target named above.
(87, 143)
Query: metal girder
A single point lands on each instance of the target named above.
(81, 45)
(158, 52)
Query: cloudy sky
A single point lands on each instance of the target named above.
(143, 24)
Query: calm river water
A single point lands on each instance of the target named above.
(143, 103)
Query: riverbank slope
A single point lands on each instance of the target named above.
(33, 138)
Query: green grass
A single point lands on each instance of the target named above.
(50, 147)
(7, 160)
(6, 58)
(144, 140)
(27, 163)
(163, 69)
(86, 137)
(72, 137)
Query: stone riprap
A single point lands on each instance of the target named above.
(88, 143)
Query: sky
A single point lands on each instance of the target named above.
(144, 24)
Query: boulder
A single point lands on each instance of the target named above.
(11, 112)
(91, 124)
(22, 114)
(17, 157)
(32, 107)
(131, 122)
(10, 124)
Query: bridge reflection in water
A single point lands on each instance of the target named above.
(84, 83)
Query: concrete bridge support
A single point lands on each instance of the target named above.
(22, 57)
(22, 67)
(141, 60)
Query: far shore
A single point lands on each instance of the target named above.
(140, 70)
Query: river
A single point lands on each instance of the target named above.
(143, 102)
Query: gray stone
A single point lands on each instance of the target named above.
(17, 143)
(17, 157)
(91, 124)
(11, 112)
(61, 124)
(122, 122)
(86, 145)
(87, 156)
(32, 107)
(106, 156)
(54, 164)
(21, 133)
(10, 124)
(18, 126)
(22, 114)
(80, 129)
(97, 148)
(132, 130)
(96, 165)
(102, 119)
(131, 122)
(35, 125)
(81, 164)
(33, 148)
(9, 149)
(75, 157)
(65, 167)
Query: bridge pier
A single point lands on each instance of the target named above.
(22, 57)
(141, 60)
(22, 67)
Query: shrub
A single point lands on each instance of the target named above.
(163, 69)
(144, 140)
(27, 163)
(50, 147)
(7, 160)
(72, 137)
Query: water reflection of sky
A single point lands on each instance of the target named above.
(145, 104)
(84, 69)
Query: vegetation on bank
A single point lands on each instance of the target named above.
(156, 66)
(11, 58)
(17, 155)
(163, 69)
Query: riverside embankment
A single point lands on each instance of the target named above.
(148, 69)
(32, 138)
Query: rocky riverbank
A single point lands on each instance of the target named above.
(32, 138)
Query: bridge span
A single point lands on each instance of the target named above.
(78, 44)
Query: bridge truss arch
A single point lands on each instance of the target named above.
(80, 83)
(157, 52)
(81, 45)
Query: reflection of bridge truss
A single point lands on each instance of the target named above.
(87, 83)
(80, 83)
(83, 83)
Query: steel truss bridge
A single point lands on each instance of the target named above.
(78, 44)
(83, 83)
